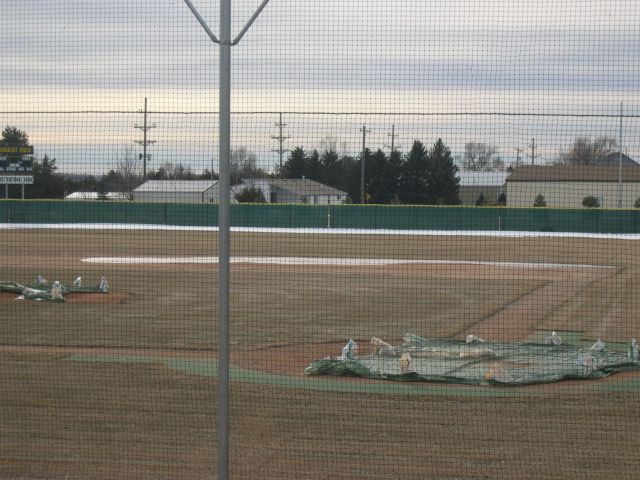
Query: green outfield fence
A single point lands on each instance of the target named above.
(327, 216)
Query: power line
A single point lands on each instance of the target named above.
(321, 113)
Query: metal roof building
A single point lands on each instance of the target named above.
(94, 196)
(568, 185)
(179, 191)
(488, 184)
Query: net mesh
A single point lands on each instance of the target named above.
(423, 172)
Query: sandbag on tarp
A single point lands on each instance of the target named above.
(41, 289)
(77, 287)
(477, 363)
(54, 295)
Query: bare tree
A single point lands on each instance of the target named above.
(244, 165)
(587, 152)
(129, 171)
(329, 144)
(481, 157)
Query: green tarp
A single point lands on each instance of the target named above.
(480, 362)
(43, 290)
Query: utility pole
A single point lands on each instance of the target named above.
(224, 226)
(533, 155)
(364, 131)
(620, 161)
(280, 138)
(145, 127)
(393, 138)
(518, 150)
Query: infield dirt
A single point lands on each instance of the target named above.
(129, 419)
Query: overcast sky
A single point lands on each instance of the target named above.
(538, 56)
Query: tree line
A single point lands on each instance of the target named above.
(421, 176)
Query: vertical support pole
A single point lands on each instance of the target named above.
(224, 239)
(362, 164)
(534, 155)
(144, 142)
(620, 162)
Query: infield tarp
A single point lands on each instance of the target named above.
(453, 361)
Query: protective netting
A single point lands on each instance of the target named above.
(476, 361)
(450, 169)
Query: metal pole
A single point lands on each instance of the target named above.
(281, 138)
(281, 141)
(224, 193)
(362, 163)
(144, 142)
(533, 155)
(224, 239)
(620, 162)
(393, 137)
(145, 127)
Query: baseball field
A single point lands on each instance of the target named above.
(122, 385)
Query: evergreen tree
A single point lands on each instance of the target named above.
(251, 194)
(350, 177)
(444, 184)
(330, 168)
(296, 166)
(315, 167)
(540, 201)
(590, 202)
(383, 176)
(46, 182)
(414, 179)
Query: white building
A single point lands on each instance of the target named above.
(565, 186)
(87, 196)
(206, 191)
(177, 191)
(296, 190)
(488, 184)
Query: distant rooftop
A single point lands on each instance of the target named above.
(183, 186)
(482, 179)
(574, 173)
(304, 186)
(614, 157)
(94, 196)
(298, 186)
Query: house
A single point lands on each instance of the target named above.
(177, 191)
(206, 191)
(567, 185)
(488, 184)
(296, 190)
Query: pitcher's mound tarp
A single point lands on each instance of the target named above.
(41, 289)
(479, 362)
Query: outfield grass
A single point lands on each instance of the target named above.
(61, 418)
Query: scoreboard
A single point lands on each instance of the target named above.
(16, 165)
